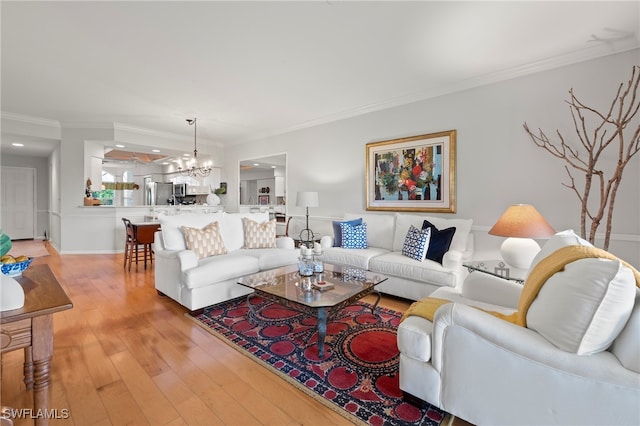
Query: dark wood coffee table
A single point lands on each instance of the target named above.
(284, 286)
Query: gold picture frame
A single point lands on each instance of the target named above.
(416, 173)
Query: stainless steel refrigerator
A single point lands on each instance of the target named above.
(158, 193)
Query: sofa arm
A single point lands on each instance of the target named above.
(188, 259)
(326, 241)
(452, 259)
(285, 243)
(491, 289)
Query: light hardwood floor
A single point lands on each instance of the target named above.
(124, 355)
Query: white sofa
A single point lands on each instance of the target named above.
(407, 278)
(197, 283)
(562, 368)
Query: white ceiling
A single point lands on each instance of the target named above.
(252, 69)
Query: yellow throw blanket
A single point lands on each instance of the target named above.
(539, 275)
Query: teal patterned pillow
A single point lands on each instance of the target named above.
(354, 236)
(416, 243)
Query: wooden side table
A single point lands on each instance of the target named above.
(31, 328)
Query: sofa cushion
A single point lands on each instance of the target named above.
(272, 257)
(428, 271)
(626, 347)
(460, 238)
(259, 235)
(221, 268)
(357, 258)
(440, 241)
(204, 242)
(337, 231)
(354, 236)
(380, 229)
(416, 243)
(171, 227)
(583, 308)
(232, 229)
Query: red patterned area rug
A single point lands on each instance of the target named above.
(358, 377)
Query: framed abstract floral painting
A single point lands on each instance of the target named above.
(416, 173)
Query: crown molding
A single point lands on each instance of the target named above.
(160, 134)
(28, 119)
(589, 53)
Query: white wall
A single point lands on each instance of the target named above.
(497, 164)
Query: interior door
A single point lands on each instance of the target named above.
(18, 202)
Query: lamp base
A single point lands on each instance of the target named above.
(519, 252)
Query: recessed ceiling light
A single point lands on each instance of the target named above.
(273, 167)
(186, 155)
(155, 150)
(17, 144)
(256, 164)
(165, 164)
(119, 145)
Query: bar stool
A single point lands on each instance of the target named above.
(133, 242)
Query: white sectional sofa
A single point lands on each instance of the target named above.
(196, 283)
(408, 278)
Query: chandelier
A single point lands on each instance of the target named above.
(193, 168)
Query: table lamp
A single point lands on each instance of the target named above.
(520, 223)
(307, 199)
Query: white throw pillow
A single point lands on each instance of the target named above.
(559, 240)
(583, 308)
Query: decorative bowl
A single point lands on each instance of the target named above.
(16, 269)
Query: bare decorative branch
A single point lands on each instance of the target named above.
(619, 128)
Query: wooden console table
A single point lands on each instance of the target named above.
(31, 328)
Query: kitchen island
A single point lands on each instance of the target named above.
(100, 230)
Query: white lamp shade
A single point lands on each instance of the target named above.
(307, 199)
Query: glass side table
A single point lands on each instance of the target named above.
(497, 268)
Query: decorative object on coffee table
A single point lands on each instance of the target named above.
(520, 223)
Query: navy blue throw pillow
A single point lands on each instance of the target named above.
(337, 232)
(440, 241)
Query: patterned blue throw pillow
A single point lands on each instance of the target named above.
(354, 236)
(416, 243)
(337, 232)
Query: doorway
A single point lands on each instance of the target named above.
(18, 202)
